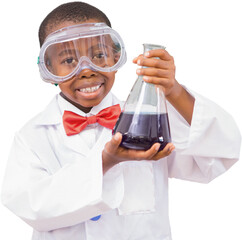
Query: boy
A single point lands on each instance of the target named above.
(79, 184)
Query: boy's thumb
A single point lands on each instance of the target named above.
(113, 145)
(116, 140)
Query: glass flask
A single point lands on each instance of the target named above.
(144, 118)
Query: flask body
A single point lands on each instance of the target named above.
(147, 130)
(144, 118)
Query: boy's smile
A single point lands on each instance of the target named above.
(88, 88)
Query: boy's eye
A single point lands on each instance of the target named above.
(98, 56)
(69, 61)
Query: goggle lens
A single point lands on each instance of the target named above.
(62, 58)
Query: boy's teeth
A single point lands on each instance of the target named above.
(89, 89)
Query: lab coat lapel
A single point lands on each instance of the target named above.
(52, 116)
(78, 144)
(74, 142)
(105, 136)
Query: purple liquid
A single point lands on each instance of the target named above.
(145, 130)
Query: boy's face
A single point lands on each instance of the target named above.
(88, 87)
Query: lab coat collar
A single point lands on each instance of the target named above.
(52, 115)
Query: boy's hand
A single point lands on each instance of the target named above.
(160, 71)
(114, 154)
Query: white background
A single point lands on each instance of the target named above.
(204, 37)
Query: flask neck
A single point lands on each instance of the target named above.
(148, 47)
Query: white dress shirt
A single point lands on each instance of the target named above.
(55, 182)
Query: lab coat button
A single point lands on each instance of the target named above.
(96, 218)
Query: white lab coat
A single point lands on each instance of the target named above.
(55, 182)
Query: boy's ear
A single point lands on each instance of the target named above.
(116, 57)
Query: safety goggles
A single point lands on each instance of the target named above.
(66, 52)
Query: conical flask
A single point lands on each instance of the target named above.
(144, 118)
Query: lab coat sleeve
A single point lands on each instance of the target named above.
(73, 194)
(208, 147)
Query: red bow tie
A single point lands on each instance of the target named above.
(74, 123)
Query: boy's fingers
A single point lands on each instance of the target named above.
(150, 153)
(154, 149)
(165, 152)
(162, 82)
(113, 145)
(160, 53)
(153, 154)
(131, 154)
(153, 72)
(137, 58)
(153, 62)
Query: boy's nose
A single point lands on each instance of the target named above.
(85, 70)
(86, 73)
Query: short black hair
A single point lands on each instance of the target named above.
(72, 11)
